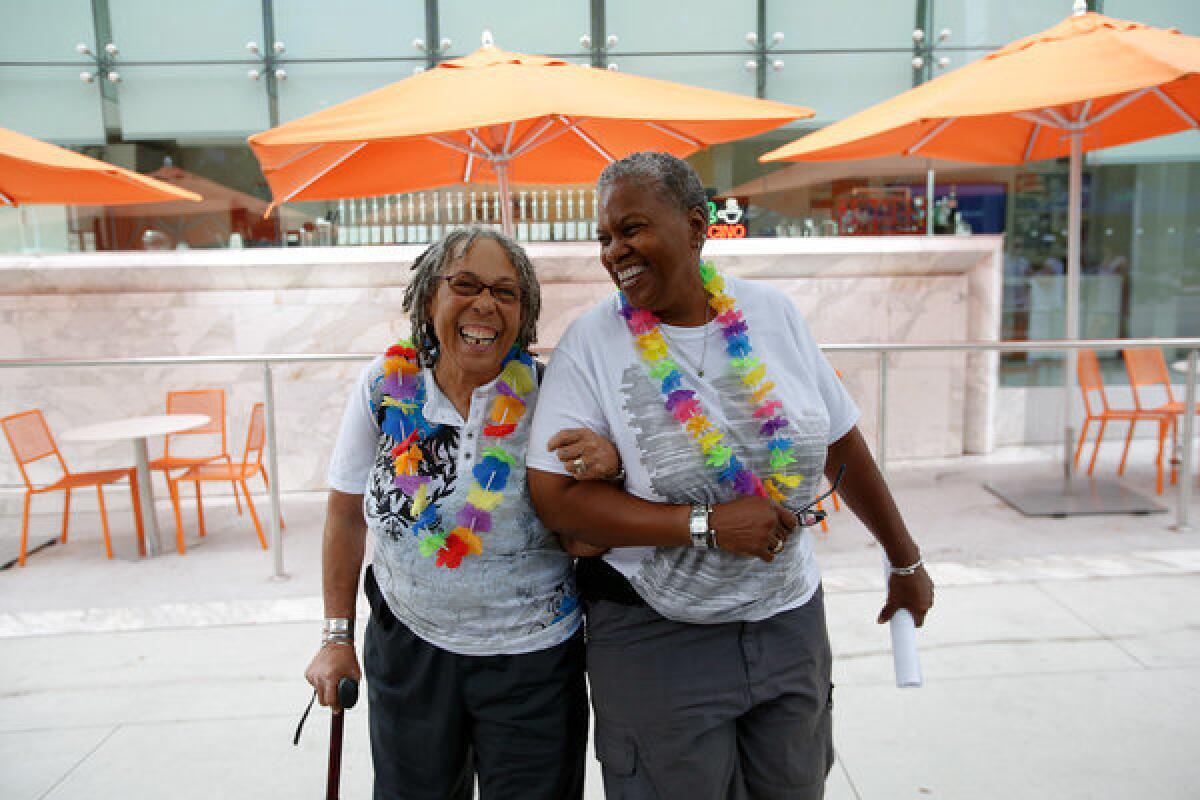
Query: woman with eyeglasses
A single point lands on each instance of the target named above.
(474, 652)
(708, 656)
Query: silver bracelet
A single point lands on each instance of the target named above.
(911, 569)
(336, 625)
(337, 639)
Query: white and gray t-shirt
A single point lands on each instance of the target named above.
(519, 595)
(597, 380)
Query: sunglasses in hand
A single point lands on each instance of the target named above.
(808, 515)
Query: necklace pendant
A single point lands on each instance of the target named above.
(700, 374)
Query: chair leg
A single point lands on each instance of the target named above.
(254, 515)
(24, 528)
(66, 513)
(199, 510)
(1095, 447)
(1125, 453)
(173, 486)
(824, 523)
(1082, 439)
(104, 520)
(1174, 450)
(137, 514)
(233, 485)
(837, 506)
(267, 483)
(1158, 462)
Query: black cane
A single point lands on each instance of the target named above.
(347, 692)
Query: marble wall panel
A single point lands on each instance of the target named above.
(348, 301)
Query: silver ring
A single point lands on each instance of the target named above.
(578, 465)
(777, 548)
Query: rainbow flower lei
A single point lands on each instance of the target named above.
(403, 401)
(685, 406)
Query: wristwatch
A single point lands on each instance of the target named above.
(698, 527)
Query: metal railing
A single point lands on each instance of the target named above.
(884, 351)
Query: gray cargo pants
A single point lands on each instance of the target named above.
(711, 712)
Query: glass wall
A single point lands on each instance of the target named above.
(173, 89)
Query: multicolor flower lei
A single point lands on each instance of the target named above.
(685, 406)
(404, 420)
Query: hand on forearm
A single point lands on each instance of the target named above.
(605, 515)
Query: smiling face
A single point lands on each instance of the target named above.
(475, 332)
(651, 249)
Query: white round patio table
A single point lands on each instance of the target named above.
(138, 430)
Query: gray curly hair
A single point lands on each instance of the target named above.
(672, 177)
(431, 264)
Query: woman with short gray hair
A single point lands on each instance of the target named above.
(708, 658)
(474, 652)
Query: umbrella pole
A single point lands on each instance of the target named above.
(1074, 243)
(506, 219)
(929, 190)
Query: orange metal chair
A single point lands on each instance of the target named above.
(237, 474)
(1147, 368)
(211, 403)
(30, 440)
(1091, 383)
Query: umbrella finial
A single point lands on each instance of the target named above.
(1080, 7)
(488, 41)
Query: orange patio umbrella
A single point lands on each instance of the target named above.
(499, 117)
(1087, 83)
(33, 171)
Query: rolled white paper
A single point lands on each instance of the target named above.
(905, 659)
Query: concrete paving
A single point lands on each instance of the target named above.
(1062, 658)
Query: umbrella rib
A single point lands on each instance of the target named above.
(457, 147)
(1117, 106)
(591, 142)
(1174, 106)
(1037, 118)
(7, 200)
(479, 143)
(529, 141)
(467, 171)
(323, 172)
(512, 126)
(1037, 126)
(941, 126)
(297, 157)
(676, 134)
(533, 142)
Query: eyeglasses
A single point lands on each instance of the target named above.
(807, 518)
(464, 284)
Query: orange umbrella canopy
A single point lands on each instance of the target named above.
(1110, 80)
(33, 171)
(542, 120)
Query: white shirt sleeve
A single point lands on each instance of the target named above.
(567, 399)
(354, 452)
(843, 413)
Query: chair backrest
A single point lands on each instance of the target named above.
(30, 440)
(1091, 380)
(256, 436)
(1147, 367)
(210, 402)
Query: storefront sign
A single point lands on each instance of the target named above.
(726, 223)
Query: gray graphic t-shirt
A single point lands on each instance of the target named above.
(519, 595)
(597, 380)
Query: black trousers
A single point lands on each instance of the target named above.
(439, 719)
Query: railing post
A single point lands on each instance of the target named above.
(1189, 429)
(881, 447)
(273, 470)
